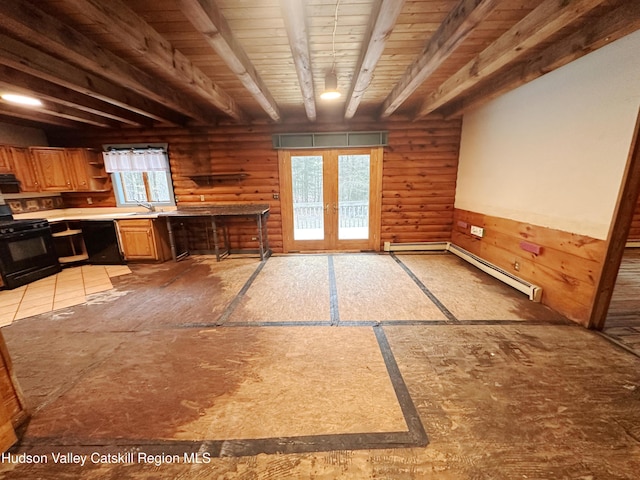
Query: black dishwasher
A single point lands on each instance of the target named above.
(101, 241)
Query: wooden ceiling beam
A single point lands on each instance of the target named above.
(32, 61)
(460, 22)
(12, 111)
(55, 93)
(116, 18)
(24, 20)
(603, 30)
(50, 108)
(295, 22)
(547, 19)
(381, 24)
(207, 18)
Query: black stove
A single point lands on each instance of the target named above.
(26, 250)
(11, 226)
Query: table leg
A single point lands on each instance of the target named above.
(172, 242)
(216, 248)
(260, 241)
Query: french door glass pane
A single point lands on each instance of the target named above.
(353, 197)
(308, 212)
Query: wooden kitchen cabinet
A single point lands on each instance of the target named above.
(144, 239)
(5, 159)
(23, 168)
(52, 169)
(70, 170)
(88, 170)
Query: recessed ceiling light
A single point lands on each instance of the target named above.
(21, 99)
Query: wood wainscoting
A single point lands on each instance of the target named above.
(567, 267)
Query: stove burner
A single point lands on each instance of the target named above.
(12, 226)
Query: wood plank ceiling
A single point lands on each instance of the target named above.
(120, 63)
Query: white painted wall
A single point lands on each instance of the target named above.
(553, 152)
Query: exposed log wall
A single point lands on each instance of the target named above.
(567, 267)
(419, 172)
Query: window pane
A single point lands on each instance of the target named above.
(158, 187)
(353, 197)
(133, 186)
(308, 214)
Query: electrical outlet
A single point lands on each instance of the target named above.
(276, 196)
(516, 266)
(89, 201)
(477, 231)
(202, 198)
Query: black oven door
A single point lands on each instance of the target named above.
(26, 256)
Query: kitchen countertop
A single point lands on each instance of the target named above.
(218, 210)
(99, 213)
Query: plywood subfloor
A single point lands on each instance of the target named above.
(623, 318)
(232, 383)
(147, 369)
(287, 289)
(470, 294)
(374, 287)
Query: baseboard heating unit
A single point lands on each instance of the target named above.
(533, 291)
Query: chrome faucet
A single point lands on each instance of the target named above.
(147, 205)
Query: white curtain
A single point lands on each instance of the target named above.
(136, 160)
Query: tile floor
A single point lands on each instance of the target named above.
(65, 289)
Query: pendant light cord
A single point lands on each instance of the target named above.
(333, 37)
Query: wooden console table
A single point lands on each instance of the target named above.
(217, 214)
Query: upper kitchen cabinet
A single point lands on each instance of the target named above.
(52, 169)
(69, 170)
(88, 169)
(5, 157)
(22, 166)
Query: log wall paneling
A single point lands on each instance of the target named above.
(567, 268)
(419, 181)
(418, 186)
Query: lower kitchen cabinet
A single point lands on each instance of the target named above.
(68, 242)
(144, 239)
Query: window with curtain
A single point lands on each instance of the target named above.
(140, 175)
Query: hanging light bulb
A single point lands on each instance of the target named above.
(330, 87)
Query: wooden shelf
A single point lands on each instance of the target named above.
(66, 233)
(73, 258)
(69, 243)
(209, 178)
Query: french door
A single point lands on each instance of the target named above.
(331, 199)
